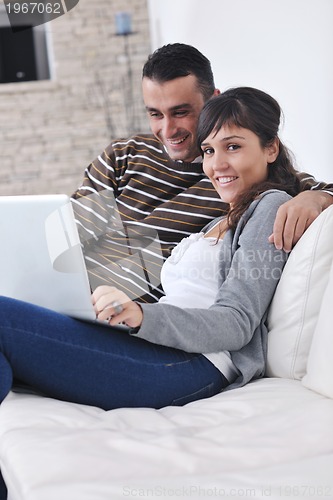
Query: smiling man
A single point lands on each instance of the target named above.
(156, 182)
(173, 108)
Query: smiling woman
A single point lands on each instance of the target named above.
(243, 154)
(234, 160)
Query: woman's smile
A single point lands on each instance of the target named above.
(234, 160)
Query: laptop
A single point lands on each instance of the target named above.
(41, 258)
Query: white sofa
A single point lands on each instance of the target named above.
(272, 438)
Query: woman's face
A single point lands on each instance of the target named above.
(234, 160)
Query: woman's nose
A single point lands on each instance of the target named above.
(220, 162)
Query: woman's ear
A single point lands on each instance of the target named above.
(273, 150)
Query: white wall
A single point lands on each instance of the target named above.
(284, 47)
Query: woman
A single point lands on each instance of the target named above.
(208, 333)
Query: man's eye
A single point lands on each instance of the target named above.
(180, 113)
(154, 114)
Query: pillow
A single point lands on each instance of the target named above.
(294, 310)
(319, 371)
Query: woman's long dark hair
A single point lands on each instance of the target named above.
(257, 111)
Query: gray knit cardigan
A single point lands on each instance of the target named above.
(250, 268)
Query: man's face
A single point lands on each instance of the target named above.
(173, 109)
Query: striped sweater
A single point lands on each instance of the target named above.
(134, 205)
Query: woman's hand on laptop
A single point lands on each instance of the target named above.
(114, 306)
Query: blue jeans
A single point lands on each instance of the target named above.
(93, 364)
(3, 489)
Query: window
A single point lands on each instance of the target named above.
(24, 51)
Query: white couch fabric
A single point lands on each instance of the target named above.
(319, 371)
(272, 438)
(272, 435)
(296, 304)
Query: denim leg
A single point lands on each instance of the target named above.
(6, 377)
(3, 489)
(96, 365)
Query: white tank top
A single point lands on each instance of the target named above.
(190, 280)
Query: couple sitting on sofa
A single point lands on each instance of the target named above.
(208, 332)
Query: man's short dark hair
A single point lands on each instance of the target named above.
(176, 60)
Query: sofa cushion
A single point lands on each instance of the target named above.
(319, 370)
(295, 307)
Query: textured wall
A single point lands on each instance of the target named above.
(283, 47)
(51, 130)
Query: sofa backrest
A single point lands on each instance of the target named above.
(295, 307)
(319, 368)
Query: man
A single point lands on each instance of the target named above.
(151, 187)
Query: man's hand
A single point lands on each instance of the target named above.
(113, 305)
(296, 215)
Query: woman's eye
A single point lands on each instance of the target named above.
(233, 147)
(207, 151)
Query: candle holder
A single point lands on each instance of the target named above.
(123, 21)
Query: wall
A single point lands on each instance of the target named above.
(284, 47)
(51, 130)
